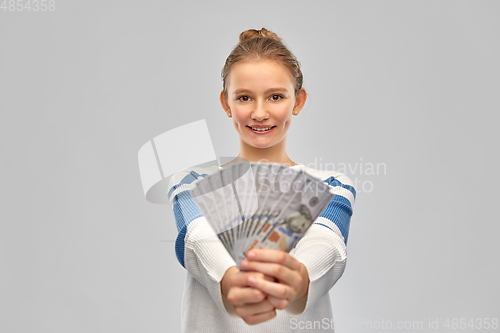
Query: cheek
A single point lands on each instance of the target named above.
(285, 115)
(236, 125)
(287, 120)
(237, 120)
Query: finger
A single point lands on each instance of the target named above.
(240, 279)
(270, 278)
(278, 290)
(241, 296)
(254, 309)
(278, 303)
(266, 277)
(260, 318)
(274, 256)
(280, 272)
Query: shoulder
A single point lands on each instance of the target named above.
(189, 176)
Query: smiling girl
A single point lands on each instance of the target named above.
(275, 291)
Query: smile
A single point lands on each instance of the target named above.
(261, 130)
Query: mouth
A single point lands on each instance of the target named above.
(261, 130)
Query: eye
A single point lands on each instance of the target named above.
(273, 97)
(243, 98)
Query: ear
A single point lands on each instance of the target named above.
(300, 101)
(223, 102)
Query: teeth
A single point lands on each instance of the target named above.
(261, 129)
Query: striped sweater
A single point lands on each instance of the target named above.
(322, 250)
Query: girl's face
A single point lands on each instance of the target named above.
(261, 94)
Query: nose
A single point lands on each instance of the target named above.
(260, 111)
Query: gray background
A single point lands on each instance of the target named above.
(411, 85)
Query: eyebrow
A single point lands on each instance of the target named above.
(239, 91)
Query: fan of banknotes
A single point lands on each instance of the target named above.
(260, 205)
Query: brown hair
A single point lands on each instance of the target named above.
(257, 44)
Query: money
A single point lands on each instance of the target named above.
(253, 205)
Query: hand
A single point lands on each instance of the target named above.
(291, 275)
(249, 303)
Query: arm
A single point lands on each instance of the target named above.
(323, 248)
(197, 247)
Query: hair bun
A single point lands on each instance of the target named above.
(262, 33)
(262, 44)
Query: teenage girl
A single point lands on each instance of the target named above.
(275, 291)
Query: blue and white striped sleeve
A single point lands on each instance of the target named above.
(197, 247)
(323, 249)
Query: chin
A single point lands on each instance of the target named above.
(259, 145)
(262, 146)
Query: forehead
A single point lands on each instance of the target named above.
(258, 75)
